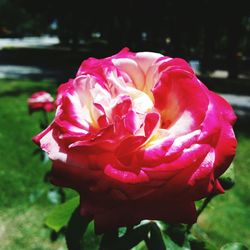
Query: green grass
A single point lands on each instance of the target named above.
(21, 222)
(22, 173)
(227, 217)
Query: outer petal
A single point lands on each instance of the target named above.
(132, 69)
(130, 214)
(146, 59)
(226, 146)
(181, 111)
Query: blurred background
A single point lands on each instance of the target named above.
(42, 44)
(213, 34)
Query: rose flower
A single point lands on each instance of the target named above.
(41, 100)
(139, 137)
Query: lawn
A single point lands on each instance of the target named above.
(22, 176)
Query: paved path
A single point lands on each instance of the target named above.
(21, 71)
(13, 71)
(238, 100)
(240, 103)
(35, 42)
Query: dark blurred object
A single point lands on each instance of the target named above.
(4, 32)
(213, 32)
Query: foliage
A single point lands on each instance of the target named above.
(60, 215)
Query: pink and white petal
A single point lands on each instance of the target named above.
(176, 64)
(132, 69)
(189, 159)
(82, 85)
(211, 126)
(125, 151)
(166, 148)
(225, 150)
(226, 109)
(132, 122)
(62, 90)
(122, 107)
(154, 154)
(70, 115)
(202, 181)
(55, 150)
(95, 67)
(226, 145)
(146, 59)
(151, 124)
(116, 85)
(125, 176)
(153, 74)
(142, 103)
(179, 107)
(100, 95)
(36, 139)
(104, 140)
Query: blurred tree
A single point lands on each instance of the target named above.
(15, 18)
(209, 30)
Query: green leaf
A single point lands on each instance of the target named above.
(134, 237)
(200, 238)
(121, 231)
(76, 229)
(177, 233)
(111, 241)
(140, 246)
(199, 203)
(155, 239)
(61, 214)
(170, 245)
(196, 243)
(227, 180)
(234, 246)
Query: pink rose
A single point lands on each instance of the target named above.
(139, 137)
(41, 100)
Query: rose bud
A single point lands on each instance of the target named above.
(139, 136)
(41, 100)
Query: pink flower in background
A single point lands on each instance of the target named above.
(139, 137)
(41, 100)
